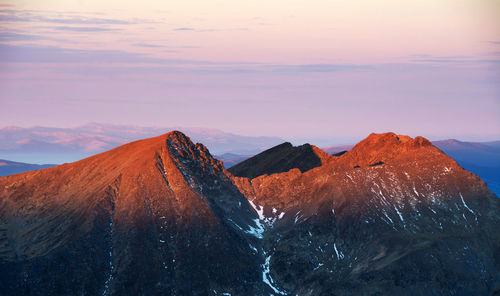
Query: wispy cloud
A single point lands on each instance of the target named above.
(458, 61)
(7, 36)
(83, 29)
(317, 67)
(34, 54)
(13, 15)
(452, 59)
(148, 45)
(494, 42)
(138, 62)
(183, 29)
(58, 55)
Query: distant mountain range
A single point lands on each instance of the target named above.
(59, 145)
(392, 216)
(11, 167)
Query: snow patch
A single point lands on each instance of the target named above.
(385, 214)
(258, 230)
(340, 255)
(111, 266)
(467, 207)
(400, 215)
(258, 209)
(266, 277)
(297, 217)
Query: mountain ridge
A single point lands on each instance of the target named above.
(39, 144)
(161, 215)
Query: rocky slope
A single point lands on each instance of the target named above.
(281, 158)
(392, 216)
(158, 216)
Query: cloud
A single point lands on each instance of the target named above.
(148, 45)
(7, 36)
(452, 59)
(199, 30)
(317, 67)
(183, 29)
(142, 63)
(494, 42)
(59, 55)
(13, 15)
(458, 61)
(83, 29)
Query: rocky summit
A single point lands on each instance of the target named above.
(161, 216)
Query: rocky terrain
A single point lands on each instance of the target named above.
(278, 159)
(161, 216)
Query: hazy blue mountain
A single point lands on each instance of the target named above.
(481, 158)
(58, 145)
(231, 159)
(11, 167)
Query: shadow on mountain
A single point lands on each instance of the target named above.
(278, 159)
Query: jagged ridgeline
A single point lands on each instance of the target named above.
(161, 216)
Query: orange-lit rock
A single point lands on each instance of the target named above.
(393, 215)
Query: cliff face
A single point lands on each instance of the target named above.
(394, 215)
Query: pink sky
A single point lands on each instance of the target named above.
(296, 69)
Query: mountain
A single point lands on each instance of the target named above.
(58, 145)
(337, 149)
(492, 144)
(481, 158)
(231, 159)
(280, 158)
(140, 219)
(11, 167)
(481, 154)
(392, 216)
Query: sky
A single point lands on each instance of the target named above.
(329, 70)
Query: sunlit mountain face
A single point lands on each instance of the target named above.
(393, 215)
(220, 147)
(42, 145)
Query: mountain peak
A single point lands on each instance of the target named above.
(380, 148)
(391, 138)
(281, 158)
(177, 135)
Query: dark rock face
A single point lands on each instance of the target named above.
(278, 159)
(161, 216)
